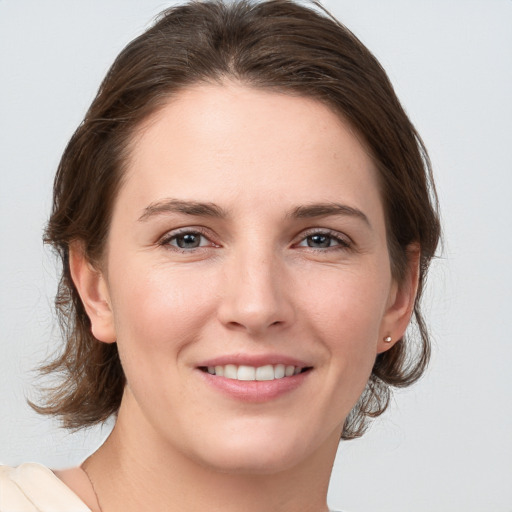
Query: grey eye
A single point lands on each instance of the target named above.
(188, 240)
(319, 241)
(324, 240)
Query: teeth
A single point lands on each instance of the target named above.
(230, 371)
(265, 373)
(289, 371)
(246, 373)
(279, 371)
(243, 372)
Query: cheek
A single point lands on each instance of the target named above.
(157, 313)
(348, 305)
(346, 310)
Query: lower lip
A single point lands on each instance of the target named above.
(255, 390)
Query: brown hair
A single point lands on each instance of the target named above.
(274, 44)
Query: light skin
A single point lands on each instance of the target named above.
(249, 229)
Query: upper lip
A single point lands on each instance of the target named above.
(254, 360)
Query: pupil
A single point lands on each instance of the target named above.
(319, 241)
(188, 241)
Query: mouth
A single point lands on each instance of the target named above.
(252, 373)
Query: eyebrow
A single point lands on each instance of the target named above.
(200, 209)
(328, 209)
(178, 206)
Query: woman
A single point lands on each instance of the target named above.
(245, 219)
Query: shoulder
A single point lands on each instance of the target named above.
(32, 488)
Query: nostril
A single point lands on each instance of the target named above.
(254, 313)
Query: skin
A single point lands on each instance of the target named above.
(259, 283)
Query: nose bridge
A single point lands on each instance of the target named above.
(256, 297)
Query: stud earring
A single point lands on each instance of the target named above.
(387, 339)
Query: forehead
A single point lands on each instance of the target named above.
(249, 147)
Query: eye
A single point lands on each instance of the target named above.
(323, 240)
(186, 240)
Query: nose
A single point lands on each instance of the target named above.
(257, 293)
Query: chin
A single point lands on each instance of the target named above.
(252, 462)
(257, 452)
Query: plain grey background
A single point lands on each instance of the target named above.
(445, 445)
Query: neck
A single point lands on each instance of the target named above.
(136, 471)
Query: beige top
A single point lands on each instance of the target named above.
(34, 488)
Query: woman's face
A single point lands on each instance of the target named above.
(248, 241)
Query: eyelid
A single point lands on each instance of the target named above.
(344, 240)
(174, 233)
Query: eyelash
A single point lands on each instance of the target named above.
(342, 242)
(167, 240)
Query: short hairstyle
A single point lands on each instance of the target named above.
(275, 45)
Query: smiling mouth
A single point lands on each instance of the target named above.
(252, 373)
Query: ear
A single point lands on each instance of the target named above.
(401, 302)
(93, 291)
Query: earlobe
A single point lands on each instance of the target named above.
(401, 303)
(92, 287)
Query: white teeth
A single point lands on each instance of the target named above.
(288, 372)
(265, 372)
(230, 371)
(261, 373)
(246, 373)
(279, 371)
